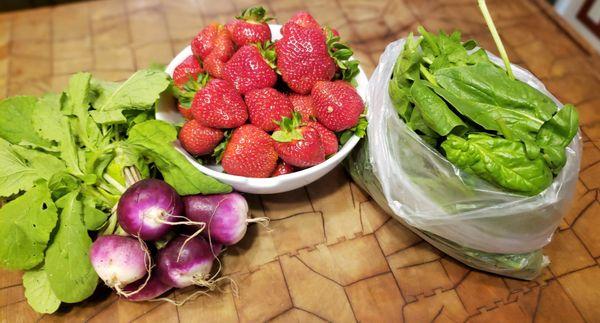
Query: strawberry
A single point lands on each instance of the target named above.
(199, 140)
(188, 69)
(203, 43)
(303, 58)
(328, 138)
(248, 70)
(251, 27)
(214, 65)
(282, 168)
(303, 19)
(303, 105)
(230, 25)
(214, 46)
(337, 105)
(185, 111)
(218, 105)
(249, 153)
(267, 106)
(297, 144)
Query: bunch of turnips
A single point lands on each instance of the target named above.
(166, 241)
(263, 107)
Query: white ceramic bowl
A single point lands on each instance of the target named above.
(167, 111)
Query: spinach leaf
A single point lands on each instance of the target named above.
(154, 139)
(499, 161)
(556, 134)
(38, 292)
(21, 167)
(436, 114)
(16, 116)
(25, 226)
(68, 265)
(487, 83)
(406, 70)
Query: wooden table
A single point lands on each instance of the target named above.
(332, 254)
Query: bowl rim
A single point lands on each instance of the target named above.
(259, 181)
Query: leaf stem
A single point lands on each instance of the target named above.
(114, 183)
(490, 23)
(428, 75)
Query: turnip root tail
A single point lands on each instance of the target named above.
(186, 221)
(263, 220)
(149, 265)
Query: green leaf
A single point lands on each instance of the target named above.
(487, 96)
(68, 265)
(154, 139)
(556, 134)
(25, 227)
(21, 167)
(77, 104)
(499, 161)
(38, 292)
(51, 124)
(140, 91)
(220, 148)
(16, 115)
(93, 218)
(108, 117)
(436, 114)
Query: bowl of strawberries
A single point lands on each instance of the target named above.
(266, 108)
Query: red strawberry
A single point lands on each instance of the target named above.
(231, 25)
(303, 19)
(249, 153)
(337, 105)
(214, 46)
(202, 44)
(248, 70)
(303, 58)
(298, 145)
(328, 137)
(214, 65)
(218, 105)
(185, 112)
(267, 106)
(251, 27)
(282, 168)
(188, 69)
(199, 140)
(303, 104)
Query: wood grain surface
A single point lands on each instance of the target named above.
(331, 253)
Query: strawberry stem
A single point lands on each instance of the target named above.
(254, 14)
(342, 56)
(289, 128)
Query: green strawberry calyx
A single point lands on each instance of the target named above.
(220, 148)
(254, 15)
(289, 128)
(185, 94)
(267, 50)
(342, 56)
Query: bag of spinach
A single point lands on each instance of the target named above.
(478, 160)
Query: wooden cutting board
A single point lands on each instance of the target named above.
(331, 254)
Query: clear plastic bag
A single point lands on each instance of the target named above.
(461, 214)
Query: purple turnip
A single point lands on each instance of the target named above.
(225, 215)
(186, 261)
(148, 209)
(119, 260)
(151, 288)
